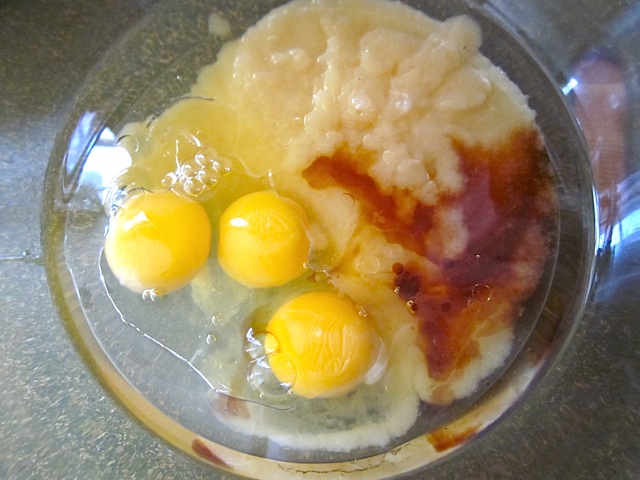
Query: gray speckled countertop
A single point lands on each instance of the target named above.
(56, 421)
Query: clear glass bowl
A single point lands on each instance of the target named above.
(155, 64)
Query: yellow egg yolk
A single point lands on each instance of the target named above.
(320, 345)
(158, 241)
(262, 240)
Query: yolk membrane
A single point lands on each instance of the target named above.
(320, 345)
(262, 240)
(158, 241)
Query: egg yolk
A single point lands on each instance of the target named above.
(320, 345)
(262, 240)
(158, 241)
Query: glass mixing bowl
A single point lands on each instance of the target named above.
(151, 375)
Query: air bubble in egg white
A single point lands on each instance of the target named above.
(265, 383)
(254, 343)
(169, 181)
(222, 165)
(412, 306)
(347, 201)
(481, 292)
(192, 186)
(208, 176)
(117, 196)
(321, 276)
(151, 294)
(198, 175)
(206, 156)
(218, 319)
(368, 264)
(188, 169)
(121, 188)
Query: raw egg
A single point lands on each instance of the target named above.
(320, 345)
(262, 240)
(158, 242)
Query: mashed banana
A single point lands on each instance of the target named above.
(422, 173)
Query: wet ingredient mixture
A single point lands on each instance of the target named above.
(381, 208)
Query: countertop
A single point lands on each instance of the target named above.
(56, 420)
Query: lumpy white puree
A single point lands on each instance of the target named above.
(422, 124)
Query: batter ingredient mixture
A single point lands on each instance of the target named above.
(364, 167)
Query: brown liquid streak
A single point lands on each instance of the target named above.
(203, 451)
(501, 201)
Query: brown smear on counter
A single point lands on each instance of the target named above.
(509, 194)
